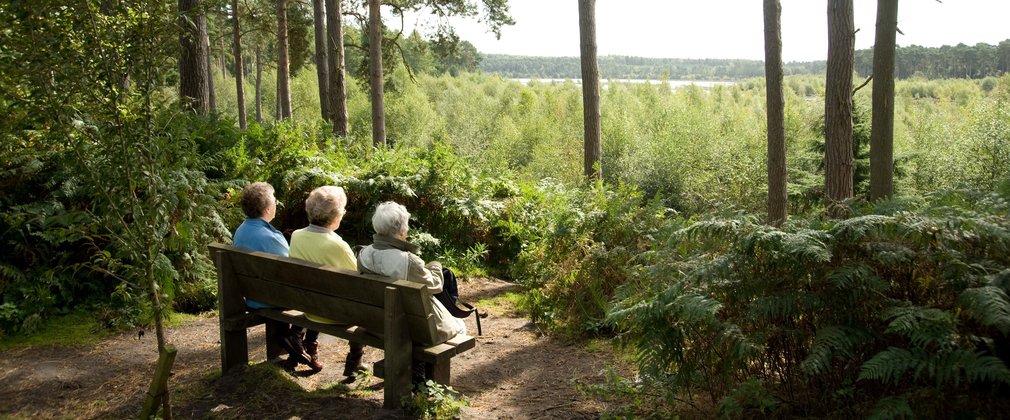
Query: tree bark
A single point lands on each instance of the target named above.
(193, 89)
(322, 62)
(775, 103)
(592, 163)
(259, 85)
(239, 65)
(375, 73)
(838, 159)
(283, 72)
(338, 90)
(882, 130)
(211, 95)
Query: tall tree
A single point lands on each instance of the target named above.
(322, 63)
(375, 73)
(336, 71)
(775, 104)
(193, 87)
(211, 95)
(838, 154)
(283, 69)
(259, 84)
(593, 165)
(882, 128)
(239, 72)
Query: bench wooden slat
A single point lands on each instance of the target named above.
(350, 312)
(333, 282)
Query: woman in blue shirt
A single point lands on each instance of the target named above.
(257, 234)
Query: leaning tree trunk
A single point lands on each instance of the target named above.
(777, 197)
(259, 85)
(335, 55)
(838, 157)
(882, 130)
(375, 73)
(322, 63)
(283, 72)
(590, 90)
(193, 71)
(239, 75)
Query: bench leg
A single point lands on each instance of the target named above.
(439, 371)
(234, 349)
(275, 331)
(397, 350)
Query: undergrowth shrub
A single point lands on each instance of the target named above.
(433, 401)
(900, 309)
(575, 250)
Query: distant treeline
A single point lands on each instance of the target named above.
(625, 67)
(960, 61)
(946, 62)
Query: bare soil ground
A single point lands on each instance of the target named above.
(514, 372)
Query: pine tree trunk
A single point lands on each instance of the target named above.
(775, 102)
(283, 72)
(239, 66)
(375, 74)
(193, 89)
(593, 165)
(322, 63)
(882, 130)
(259, 85)
(335, 55)
(211, 95)
(838, 159)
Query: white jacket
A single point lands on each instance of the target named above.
(394, 258)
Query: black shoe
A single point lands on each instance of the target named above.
(353, 362)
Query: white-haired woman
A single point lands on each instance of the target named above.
(319, 243)
(391, 255)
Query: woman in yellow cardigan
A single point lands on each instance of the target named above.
(319, 243)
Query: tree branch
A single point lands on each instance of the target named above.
(861, 86)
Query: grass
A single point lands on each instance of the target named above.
(79, 329)
(73, 329)
(501, 303)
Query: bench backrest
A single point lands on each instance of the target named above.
(342, 296)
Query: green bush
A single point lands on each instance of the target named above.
(905, 303)
(434, 401)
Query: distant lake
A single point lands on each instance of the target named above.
(673, 83)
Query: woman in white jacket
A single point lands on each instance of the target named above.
(392, 256)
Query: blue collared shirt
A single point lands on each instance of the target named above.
(256, 234)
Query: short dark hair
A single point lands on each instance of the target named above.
(256, 198)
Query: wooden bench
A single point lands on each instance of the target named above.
(393, 315)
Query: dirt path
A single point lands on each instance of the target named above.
(513, 372)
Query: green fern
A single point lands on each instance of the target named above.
(829, 343)
(989, 305)
(891, 408)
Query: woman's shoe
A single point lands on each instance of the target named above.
(312, 350)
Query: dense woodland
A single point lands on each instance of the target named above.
(127, 140)
(946, 62)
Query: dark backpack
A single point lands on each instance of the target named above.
(449, 296)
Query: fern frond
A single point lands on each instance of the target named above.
(889, 366)
(830, 342)
(989, 305)
(923, 326)
(891, 408)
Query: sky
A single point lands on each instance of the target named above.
(728, 28)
